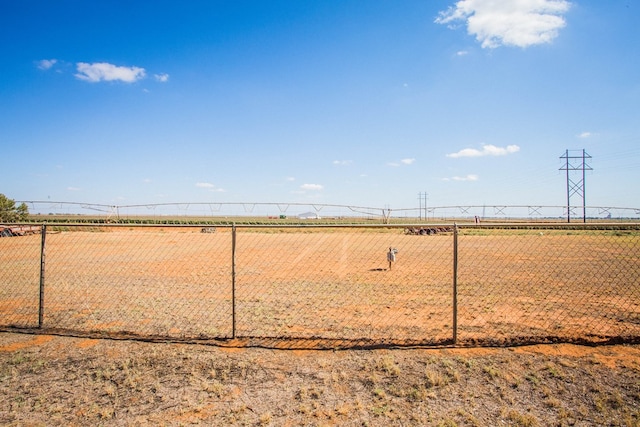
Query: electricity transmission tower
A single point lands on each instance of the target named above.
(577, 165)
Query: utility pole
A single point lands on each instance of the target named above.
(576, 182)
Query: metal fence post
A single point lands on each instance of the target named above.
(42, 272)
(455, 283)
(233, 281)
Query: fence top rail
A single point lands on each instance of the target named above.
(411, 227)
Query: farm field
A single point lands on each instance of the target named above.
(56, 380)
(329, 286)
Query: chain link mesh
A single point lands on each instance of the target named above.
(534, 285)
(326, 285)
(338, 284)
(20, 280)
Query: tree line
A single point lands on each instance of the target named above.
(9, 212)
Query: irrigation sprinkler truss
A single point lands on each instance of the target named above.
(256, 209)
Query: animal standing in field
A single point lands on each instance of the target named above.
(391, 256)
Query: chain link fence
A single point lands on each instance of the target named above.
(327, 286)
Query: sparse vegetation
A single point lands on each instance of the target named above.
(62, 380)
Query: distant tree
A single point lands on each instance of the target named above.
(9, 212)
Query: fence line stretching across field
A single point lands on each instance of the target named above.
(327, 286)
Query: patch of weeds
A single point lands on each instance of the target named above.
(434, 378)
(552, 402)
(304, 409)
(417, 394)
(532, 378)
(106, 413)
(521, 420)
(266, 419)
(469, 419)
(371, 381)
(305, 393)
(491, 371)
(447, 422)
(388, 365)
(613, 401)
(553, 370)
(514, 381)
(214, 388)
(379, 393)
(343, 409)
(380, 410)
(110, 390)
(17, 359)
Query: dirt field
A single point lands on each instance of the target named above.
(52, 380)
(331, 287)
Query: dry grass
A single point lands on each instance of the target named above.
(61, 381)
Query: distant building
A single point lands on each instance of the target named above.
(309, 215)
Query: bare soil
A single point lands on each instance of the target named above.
(54, 380)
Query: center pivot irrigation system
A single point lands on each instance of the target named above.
(316, 211)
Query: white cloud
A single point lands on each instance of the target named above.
(342, 162)
(45, 64)
(73, 189)
(585, 135)
(487, 150)
(311, 187)
(470, 177)
(462, 52)
(209, 186)
(163, 78)
(520, 23)
(407, 161)
(103, 71)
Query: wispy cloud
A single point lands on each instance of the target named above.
(45, 64)
(407, 161)
(103, 71)
(209, 186)
(311, 187)
(585, 135)
(487, 150)
(496, 23)
(73, 188)
(162, 78)
(470, 177)
(204, 185)
(342, 162)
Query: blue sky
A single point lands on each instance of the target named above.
(364, 103)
